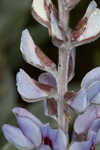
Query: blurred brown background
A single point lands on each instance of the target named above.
(15, 16)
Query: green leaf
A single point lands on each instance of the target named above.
(9, 147)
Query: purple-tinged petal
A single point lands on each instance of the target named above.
(90, 77)
(48, 79)
(16, 137)
(84, 121)
(95, 130)
(21, 112)
(50, 107)
(33, 55)
(80, 102)
(31, 90)
(95, 126)
(49, 135)
(56, 139)
(30, 130)
(85, 145)
(44, 147)
(61, 141)
(93, 90)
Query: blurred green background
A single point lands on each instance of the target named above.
(15, 16)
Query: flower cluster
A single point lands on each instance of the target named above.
(33, 134)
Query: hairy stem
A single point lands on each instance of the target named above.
(64, 53)
(62, 86)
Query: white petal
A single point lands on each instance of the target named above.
(16, 137)
(92, 6)
(92, 27)
(27, 47)
(40, 12)
(27, 87)
(55, 28)
(32, 53)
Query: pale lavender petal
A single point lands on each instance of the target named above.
(93, 90)
(16, 137)
(28, 87)
(30, 130)
(21, 112)
(95, 126)
(80, 102)
(48, 79)
(44, 147)
(90, 77)
(95, 130)
(61, 141)
(47, 131)
(86, 145)
(84, 121)
(96, 99)
(98, 137)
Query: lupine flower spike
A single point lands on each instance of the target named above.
(52, 84)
